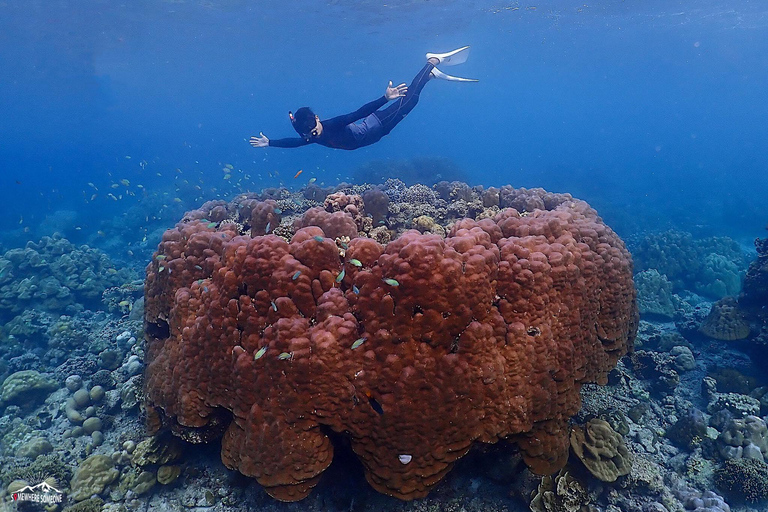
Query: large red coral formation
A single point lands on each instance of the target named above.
(415, 350)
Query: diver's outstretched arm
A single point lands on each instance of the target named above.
(260, 142)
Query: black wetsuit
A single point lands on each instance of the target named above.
(365, 125)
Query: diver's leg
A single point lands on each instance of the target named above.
(393, 114)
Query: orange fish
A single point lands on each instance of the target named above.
(298, 173)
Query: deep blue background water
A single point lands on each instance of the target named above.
(655, 112)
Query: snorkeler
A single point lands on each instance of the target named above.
(345, 132)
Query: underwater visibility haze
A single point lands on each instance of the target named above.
(544, 290)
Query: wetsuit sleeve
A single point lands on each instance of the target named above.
(364, 111)
(294, 142)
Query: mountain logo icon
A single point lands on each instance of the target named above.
(41, 487)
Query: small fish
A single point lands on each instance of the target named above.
(205, 289)
(318, 238)
(391, 282)
(358, 342)
(344, 245)
(124, 303)
(278, 211)
(375, 405)
(312, 180)
(199, 281)
(258, 355)
(211, 224)
(298, 173)
(124, 182)
(161, 269)
(112, 196)
(269, 225)
(161, 256)
(274, 306)
(405, 458)
(285, 355)
(227, 176)
(341, 275)
(296, 275)
(229, 166)
(198, 267)
(115, 185)
(93, 196)
(355, 262)
(356, 289)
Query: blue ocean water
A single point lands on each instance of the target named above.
(653, 112)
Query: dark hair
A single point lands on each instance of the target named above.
(303, 121)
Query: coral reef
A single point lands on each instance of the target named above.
(753, 300)
(560, 493)
(25, 387)
(415, 170)
(601, 449)
(654, 294)
(743, 479)
(414, 350)
(95, 473)
(754, 296)
(713, 266)
(725, 321)
(53, 275)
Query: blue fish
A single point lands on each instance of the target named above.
(375, 405)
(356, 289)
(274, 306)
(296, 275)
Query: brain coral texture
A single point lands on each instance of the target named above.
(414, 350)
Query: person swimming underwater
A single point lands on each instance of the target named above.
(367, 124)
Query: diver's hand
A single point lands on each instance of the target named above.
(395, 92)
(260, 142)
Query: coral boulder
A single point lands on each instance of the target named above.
(414, 350)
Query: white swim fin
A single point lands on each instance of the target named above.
(458, 56)
(436, 73)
